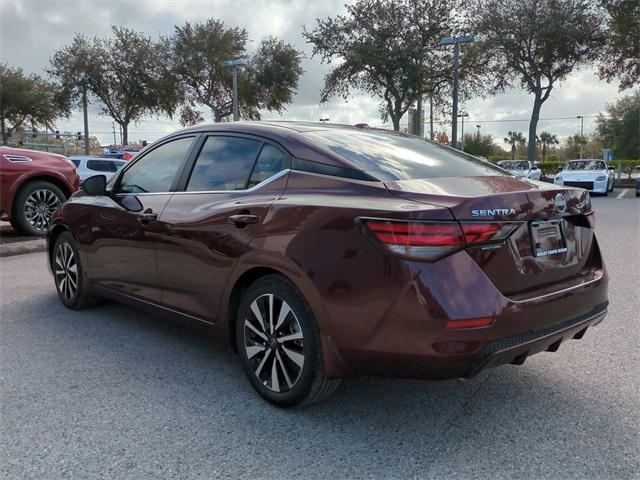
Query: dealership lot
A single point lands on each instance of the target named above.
(115, 393)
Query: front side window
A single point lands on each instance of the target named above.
(224, 163)
(155, 171)
(391, 156)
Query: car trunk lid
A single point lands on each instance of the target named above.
(552, 243)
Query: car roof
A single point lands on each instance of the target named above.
(289, 134)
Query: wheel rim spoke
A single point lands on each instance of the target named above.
(275, 381)
(250, 326)
(289, 338)
(262, 362)
(294, 356)
(256, 311)
(285, 309)
(284, 370)
(255, 350)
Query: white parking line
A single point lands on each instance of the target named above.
(622, 193)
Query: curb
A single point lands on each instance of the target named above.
(20, 248)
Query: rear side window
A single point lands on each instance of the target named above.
(155, 171)
(224, 163)
(101, 166)
(392, 157)
(270, 162)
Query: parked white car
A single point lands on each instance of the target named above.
(90, 166)
(592, 174)
(521, 168)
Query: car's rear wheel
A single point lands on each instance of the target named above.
(70, 279)
(34, 205)
(278, 340)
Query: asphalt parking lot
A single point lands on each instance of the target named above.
(116, 393)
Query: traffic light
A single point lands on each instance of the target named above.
(57, 134)
(79, 136)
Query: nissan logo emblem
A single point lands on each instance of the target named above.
(561, 203)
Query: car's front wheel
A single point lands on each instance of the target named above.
(278, 340)
(34, 205)
(71, 282)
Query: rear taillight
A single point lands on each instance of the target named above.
(434, 240)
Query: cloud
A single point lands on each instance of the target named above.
(31, 31)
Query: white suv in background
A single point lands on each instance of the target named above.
(592, 174)
(521, 168)
(90, 166)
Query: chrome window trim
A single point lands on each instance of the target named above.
(272, 178)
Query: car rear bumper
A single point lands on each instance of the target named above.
(410, 336)
(517, 348)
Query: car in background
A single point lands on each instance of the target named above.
(591, 174)
(325, 251)
(90, 166)
(122, 153)
(521, 168)
(32, 185)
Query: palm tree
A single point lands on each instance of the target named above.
(514, 139)
(546, 139)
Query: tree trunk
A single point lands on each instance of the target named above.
(4, 131)
(396, 122)
(513, 151)
(533, 126)
(544, 151)
(125, 134)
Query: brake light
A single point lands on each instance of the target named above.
(433, 240)
(479, 233)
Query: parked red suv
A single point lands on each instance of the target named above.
(32, 185)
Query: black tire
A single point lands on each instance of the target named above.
(64, 259)
(25, 214)
(291, 384)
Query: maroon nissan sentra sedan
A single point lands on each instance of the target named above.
(320, 252)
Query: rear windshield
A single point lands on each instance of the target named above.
(586, 165)
(516, 165)
(392, 156)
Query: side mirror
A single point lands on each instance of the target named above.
(534, 167)
(95, 186)
(559, 168)
(611, 169)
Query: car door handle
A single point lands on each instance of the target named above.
(243, 220)
(146, 218)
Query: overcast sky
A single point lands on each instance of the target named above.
(31, 31)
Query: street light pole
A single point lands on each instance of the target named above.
(581, 132)
(86, 118)
(234, 64)
(462, 115)
(455, 41)
(478, 127)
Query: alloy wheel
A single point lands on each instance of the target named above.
(66, 271)
(39, 207)
(274, 343)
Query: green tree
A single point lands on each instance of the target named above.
(621, 56)
(537, 43)
(619, 128)
(28, 97)
(389, 50)
(546, 140)
(480, 145)
(127, 73)
(268, 81)
(514, 139)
